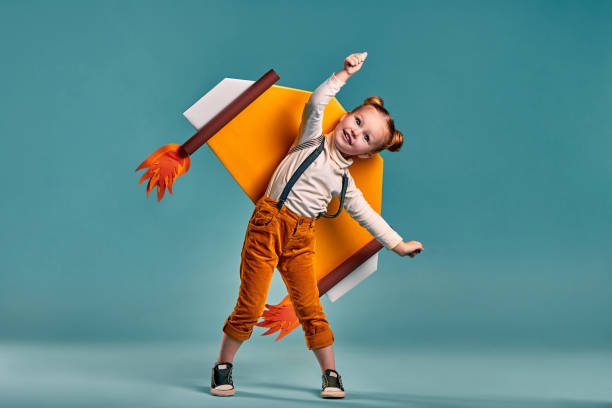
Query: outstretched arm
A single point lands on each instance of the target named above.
(364, 214)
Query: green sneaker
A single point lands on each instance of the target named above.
(332, 385)
(221, 383)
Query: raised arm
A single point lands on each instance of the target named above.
(312, 116)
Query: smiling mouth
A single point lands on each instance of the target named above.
(346, 137)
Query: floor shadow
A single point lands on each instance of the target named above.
(286, 387)
(263, 395)
(387, 399)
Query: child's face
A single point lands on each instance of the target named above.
(361, 132)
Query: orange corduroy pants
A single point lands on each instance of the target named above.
(282, 239)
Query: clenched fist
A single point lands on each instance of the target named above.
(410, 248)
(353, 62)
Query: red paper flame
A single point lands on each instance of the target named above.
(165, 165)
(279, 317)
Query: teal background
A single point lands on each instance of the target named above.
(504, 175)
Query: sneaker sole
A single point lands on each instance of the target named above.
(333, 394)
(222, 393)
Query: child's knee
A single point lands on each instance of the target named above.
(310, 311)
(314, 323)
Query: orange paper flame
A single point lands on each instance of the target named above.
(279, 317)
(165, 165)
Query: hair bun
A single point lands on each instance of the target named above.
(396, 141)
(374, 100)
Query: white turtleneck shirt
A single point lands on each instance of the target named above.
(322, 180)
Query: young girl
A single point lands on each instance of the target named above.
(281, 230)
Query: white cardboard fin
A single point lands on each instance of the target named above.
(354, 278)
(215, 100)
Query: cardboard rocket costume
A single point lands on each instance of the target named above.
(255, 125)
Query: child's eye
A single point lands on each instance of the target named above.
(357, 121)
(367, 138)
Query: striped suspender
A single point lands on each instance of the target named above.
(311, 157)
(344, 184)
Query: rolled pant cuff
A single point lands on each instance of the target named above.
(235, 334)
(320, 340)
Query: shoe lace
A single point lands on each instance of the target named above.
(327, 377)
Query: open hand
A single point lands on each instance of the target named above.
(353, 62)
(410, 248)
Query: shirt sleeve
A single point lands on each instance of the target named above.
(364, 214)
(312, 115)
